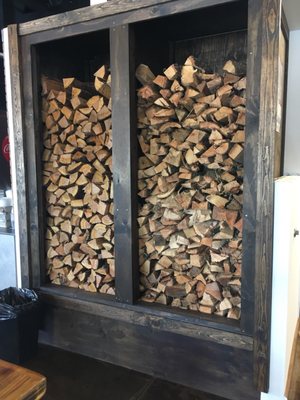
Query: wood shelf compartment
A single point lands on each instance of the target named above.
(77, 162)
(191, 190)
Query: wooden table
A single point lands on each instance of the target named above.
(18, 383)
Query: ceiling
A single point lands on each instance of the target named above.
(16, 11)
(42, 5)
(292, 11)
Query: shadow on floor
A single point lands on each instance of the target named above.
(74, 377)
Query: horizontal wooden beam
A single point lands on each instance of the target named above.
(153, 318)
(112, 8)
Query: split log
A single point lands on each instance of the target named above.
(190, 179)
(78, 182)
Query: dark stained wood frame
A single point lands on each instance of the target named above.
(252, 335)
(125, 164)
(269, 18)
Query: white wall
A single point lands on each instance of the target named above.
(285, 286)
(292, 143)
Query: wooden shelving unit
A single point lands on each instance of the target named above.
(227, 358)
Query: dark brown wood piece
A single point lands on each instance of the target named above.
(267, 17)
(250, 160)
(151, 317)
(34, 191)
(214, 49)
(124, 163)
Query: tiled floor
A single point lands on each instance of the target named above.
(74, 377)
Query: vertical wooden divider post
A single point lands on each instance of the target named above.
(267, 14)
(124, 163)
(30, 86)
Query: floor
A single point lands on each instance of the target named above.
(74, 377)
(294, 393)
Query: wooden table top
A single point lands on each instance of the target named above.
(18, 383)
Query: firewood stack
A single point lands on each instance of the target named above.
(77, 178)
(190, 180)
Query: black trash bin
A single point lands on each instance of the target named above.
(19, 323)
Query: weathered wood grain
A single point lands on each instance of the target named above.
(250, 165)
(195, 38)
(214, 49)
(151, 317)
(20, 383)
(267, 16)
(17, 139)
(124, 164)
(30, 93)
(185, 360)
(112, 8)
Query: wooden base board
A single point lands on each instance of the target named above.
(200, 364)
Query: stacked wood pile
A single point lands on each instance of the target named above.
(190, 179)
(77, 178)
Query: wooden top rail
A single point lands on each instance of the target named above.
(105, 10)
